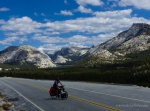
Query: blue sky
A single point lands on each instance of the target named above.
(53, 24)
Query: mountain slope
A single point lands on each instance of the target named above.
(66, 55)
(133, 40)
(25, 55)
(136, 30)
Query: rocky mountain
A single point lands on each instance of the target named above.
(25, 55)
(133, 40)
(68, 54)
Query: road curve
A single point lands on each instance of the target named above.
(83, 96)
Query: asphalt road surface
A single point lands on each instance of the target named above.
(83, 96)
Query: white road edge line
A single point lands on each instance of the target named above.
(111, 95)
(23, 97)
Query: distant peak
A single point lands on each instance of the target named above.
(26, 46)
(140, 25)
(12, 46)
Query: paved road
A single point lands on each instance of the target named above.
(83, 96)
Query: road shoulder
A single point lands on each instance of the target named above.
(19, 103)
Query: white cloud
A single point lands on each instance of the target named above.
(67, 13)
(114, 14)
(88, 30)
(21, 26)
(4, 9)
(140, 4)
(65, 1)
(84, 10)
(101, 22)
(74, 41)
(49, 48)
(109, 21)
(77, 38)
(104, 22)
(9, 40)
(76, 44)
(47, 39)
(2, 21)
(114, 5)
(90, 2)
(43, 14)
(53, 40)
(36, 14)
(112, 0)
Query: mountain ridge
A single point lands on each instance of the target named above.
(135, 39)
(135, 30)
(25, 55)
(67, 54)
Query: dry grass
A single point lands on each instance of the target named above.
(1, 108)
(6, 105)
(2, 96)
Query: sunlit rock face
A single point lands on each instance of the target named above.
(25, 55)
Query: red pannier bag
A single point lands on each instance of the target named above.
(51, 91)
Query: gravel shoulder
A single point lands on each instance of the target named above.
(10, 100)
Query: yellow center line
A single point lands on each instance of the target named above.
(73, 97)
